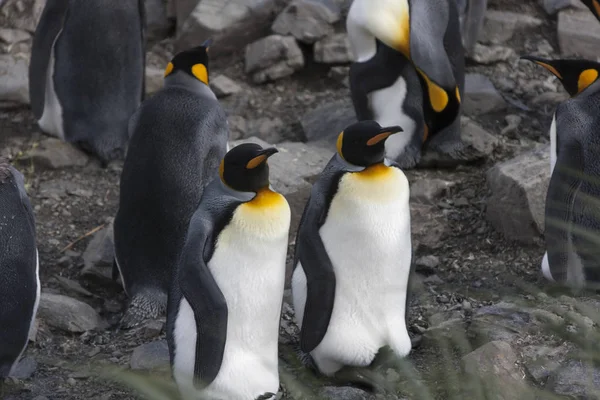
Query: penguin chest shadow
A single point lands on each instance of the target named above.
(367, 238)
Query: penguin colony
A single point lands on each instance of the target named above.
(202, 235)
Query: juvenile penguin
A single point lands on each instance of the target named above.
(19, 268)
(86, 75)
(571, 220)
(226, 296)
(353, 255)
(409, 71)
(178, 137)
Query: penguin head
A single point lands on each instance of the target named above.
(391, 22)
(193, 62)
(245, 169)
(594, 6)
(575, 75)
(363, 143)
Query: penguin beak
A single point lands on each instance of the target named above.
(383, 134)
(262, 156)
(207, 43)
(544, 63)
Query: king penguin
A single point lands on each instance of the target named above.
(353, 255)
(227, 293)
(178, 137)
(409, 71)
(19, 268)
(86, 75)
(572, 214)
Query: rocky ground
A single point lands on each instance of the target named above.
(479, 306)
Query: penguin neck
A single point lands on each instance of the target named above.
(362, 42)
(227, 190)
(184, 81)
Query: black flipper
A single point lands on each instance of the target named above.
(144, 24)
(50, 25)
(205, 298)
(311, 252)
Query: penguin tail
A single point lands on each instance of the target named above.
(149, 304)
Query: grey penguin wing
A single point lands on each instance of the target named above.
(204, 296)
(562, 190)
(317, 266)
(143, 22)
(50, 25)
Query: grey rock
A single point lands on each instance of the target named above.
(541, 361)
(152, 329)
(294, 164)
(471, 16)
(445, 334)
(502, 321)
(24, 369)
(427, 263)
(68, 314)
(268, 129)
(500, 26)
(333, 49)
(223, 86)
(157, 24)
(71, 286)
(99, 254)
(576, 379)
(53, 153)
(56, 189)
(481, 97)
(181, 9)
(429, 191)
(238, 127)
(325, 122)
(14, 81)
(40, 398)
(578, 34)
(150, 356)
(307, 20)
(492, 54)
(10, 37)
(518, 195)
(273, 57)
(154, 79)
(21, 14)
(231, 24)
(476, 136)
(553, 6)
(32, 337)
(428, 226)
(345, 393)
(495, 366)
(340, 74)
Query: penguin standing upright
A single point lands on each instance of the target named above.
(227, 292)
(19, 268)
(178, 137)
(86, 75)
(409, 71)
(353, 255)
(572, 219)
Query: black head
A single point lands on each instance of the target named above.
(363, 143)
(245, 167)
(594, 7)
(193, 62)
(575, 75)
(441, 104)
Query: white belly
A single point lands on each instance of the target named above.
(51, 121)
(370, 249)
(386, 105)
(249, 266)
(552, 144)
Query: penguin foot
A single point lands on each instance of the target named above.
(409, 158)
(362, 378)
(267, 396)
(305, 359)
(450, 156)
(144, 306)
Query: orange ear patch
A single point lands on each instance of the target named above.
(586, 78)
(200, 72)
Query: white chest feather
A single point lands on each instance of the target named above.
(51, 121)
(248, 265)
(367, 238)
(553, 144)
(386, 105)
